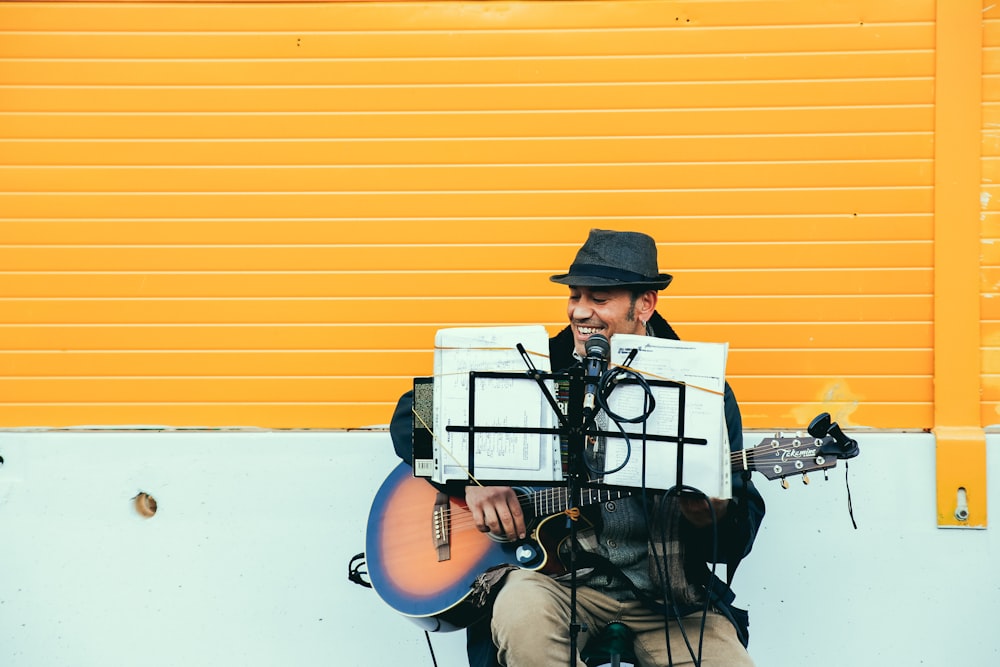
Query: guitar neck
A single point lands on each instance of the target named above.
(553, 501)
(775, 458)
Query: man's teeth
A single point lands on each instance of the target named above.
(588, 330)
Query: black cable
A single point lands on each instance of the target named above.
(602, 472)
(357, 570)
(430, 648)
(649, 404)
(664, 583)
(605, 385)
(715, 562)
(850, 504)
(613, 376)
(668, 591)
(609, 380)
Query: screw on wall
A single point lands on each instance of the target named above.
(962, 504)
(145, 504)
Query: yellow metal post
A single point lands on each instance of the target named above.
(961, 442)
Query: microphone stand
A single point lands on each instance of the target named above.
(582, 411)
(575, 468)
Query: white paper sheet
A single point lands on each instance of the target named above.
(499, 402)
(701, 367)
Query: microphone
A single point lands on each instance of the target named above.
(598, 350)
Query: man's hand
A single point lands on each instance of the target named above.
(496, 509)
(696, 510)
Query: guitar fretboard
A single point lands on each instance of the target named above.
(554, 501)
(775, 458)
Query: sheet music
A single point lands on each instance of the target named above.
(702, 369)
(500, 402)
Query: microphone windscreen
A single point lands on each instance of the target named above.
(598, 346)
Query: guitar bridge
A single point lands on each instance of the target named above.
(441, 527)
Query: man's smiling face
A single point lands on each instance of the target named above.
(607, 311)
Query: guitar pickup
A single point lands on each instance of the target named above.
(441, 527)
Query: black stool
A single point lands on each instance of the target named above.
(609, 647)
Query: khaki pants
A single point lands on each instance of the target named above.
(531, 627)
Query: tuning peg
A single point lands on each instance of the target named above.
(805, 478)
(784, 483)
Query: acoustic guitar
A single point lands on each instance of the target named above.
(424, 553)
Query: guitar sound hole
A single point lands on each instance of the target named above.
(502, 539)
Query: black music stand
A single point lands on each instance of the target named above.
(573, 429)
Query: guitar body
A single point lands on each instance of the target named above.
(402, 555)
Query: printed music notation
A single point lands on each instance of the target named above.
(499, 402)
(701, 369)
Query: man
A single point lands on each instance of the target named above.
(649, 565)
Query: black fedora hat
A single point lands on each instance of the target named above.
(616, 259)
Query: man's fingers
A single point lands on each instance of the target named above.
(511, 523)
(496, 509)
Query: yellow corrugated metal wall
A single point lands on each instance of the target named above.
(259, 214)
(990, 309)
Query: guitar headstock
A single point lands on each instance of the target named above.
(782, 457)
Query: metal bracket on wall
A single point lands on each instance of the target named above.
(958, 104)
(961, 477)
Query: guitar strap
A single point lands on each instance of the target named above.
(488, 584)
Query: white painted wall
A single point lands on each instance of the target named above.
(245, 561)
